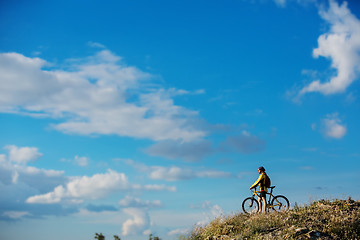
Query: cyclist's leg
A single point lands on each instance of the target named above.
(260, 204)
(263, 201)
(265, 204)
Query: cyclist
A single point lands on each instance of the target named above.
(263, 190)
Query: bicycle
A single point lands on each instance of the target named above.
(277, 203)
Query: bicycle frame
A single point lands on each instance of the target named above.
(271, 196)
(272, 202)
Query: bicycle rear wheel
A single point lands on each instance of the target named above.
(280, 203)
(250, 205)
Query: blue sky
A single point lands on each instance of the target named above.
(138, 117)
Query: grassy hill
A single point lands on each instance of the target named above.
(337, 219)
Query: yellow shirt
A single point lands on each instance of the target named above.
(261, 182)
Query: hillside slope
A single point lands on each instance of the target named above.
(337, 219)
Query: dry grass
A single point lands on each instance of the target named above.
(325, 219)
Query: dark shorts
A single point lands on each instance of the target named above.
(263, 194)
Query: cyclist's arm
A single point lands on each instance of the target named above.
(257, 181)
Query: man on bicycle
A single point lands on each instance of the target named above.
(263, 189)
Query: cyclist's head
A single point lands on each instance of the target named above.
(262, 169)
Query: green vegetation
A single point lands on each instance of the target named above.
(324, 219)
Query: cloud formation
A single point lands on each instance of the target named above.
(195, 151)
(174, 173)
(14, 169)
(15, 214)
(95, 95)
(341, 44)
(133, 202)
(187, 151)
(211, 211)
(81, 161)
(18, 181)
(80, 188)
(138, 210)
(30, 192)
(139, 222)
(332, 126)
(22, 155)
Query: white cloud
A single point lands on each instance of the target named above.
(171, 173)
(77, 160)
(81, 161)
(139, 222)
(342, 46)
(177, 173)
(332, 126)
(81, 188)
(97, 186)
(211, 211)
(174, 173)
(95, 95)
(22, 155)
(96, 44)
(14, 169)
(18, 181)
(14, 177)
(130, 201)
(16, 214)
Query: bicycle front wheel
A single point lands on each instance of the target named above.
(280, 203)
(250, 205)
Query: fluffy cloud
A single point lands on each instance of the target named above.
(176, 173)
(95, 95)
(27, 191)
(80, 188)
(139, 222)
(14, 169)
(342, 46)
(18, 181)
(332, 126)
(22, 155)
(97, 186)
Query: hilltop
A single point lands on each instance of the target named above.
(324, 219)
